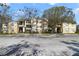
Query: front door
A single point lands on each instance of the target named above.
(58, 29)
(20, 29)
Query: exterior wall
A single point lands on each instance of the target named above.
(58, 28)
(4, 28)
(21, 24)
(68, 28)
(39, 26)
(34, 25)
(27, 25)
(45, 25)
(12, 27)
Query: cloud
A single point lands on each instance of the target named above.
(52, 3)
(76, 11)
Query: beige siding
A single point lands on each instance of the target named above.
(12, 27)
(68, 28)
(4, 28)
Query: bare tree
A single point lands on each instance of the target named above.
(4, 15)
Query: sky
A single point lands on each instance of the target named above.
(41, 7)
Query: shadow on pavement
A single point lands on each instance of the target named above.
(76, 44)
(19, 50)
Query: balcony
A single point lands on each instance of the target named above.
(28, 28)
(28, 23)
(39, 24)
(21, 25)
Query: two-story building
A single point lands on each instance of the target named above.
(65, 28)
(37, 25)
(24, 26)
(33, 25)
(11, 27)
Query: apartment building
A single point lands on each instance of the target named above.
(28, 26)
(45, 25)
(21, 26)
(68, 28)
(13, 27)
(36, 26)
(5, 28)
(33, 25)
(65, 28)
(24, 26)
(39, 25)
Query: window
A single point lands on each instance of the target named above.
(28, 26)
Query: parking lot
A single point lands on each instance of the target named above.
(40, 45)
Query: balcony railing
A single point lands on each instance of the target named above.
(21, 25)
(28, 28)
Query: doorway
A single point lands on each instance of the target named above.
(58, 29)
(20, 29)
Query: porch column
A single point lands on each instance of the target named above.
(23, 29)
(56, 30)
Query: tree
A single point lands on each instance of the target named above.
(29, 13)
(58, 15)
(4, 15)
